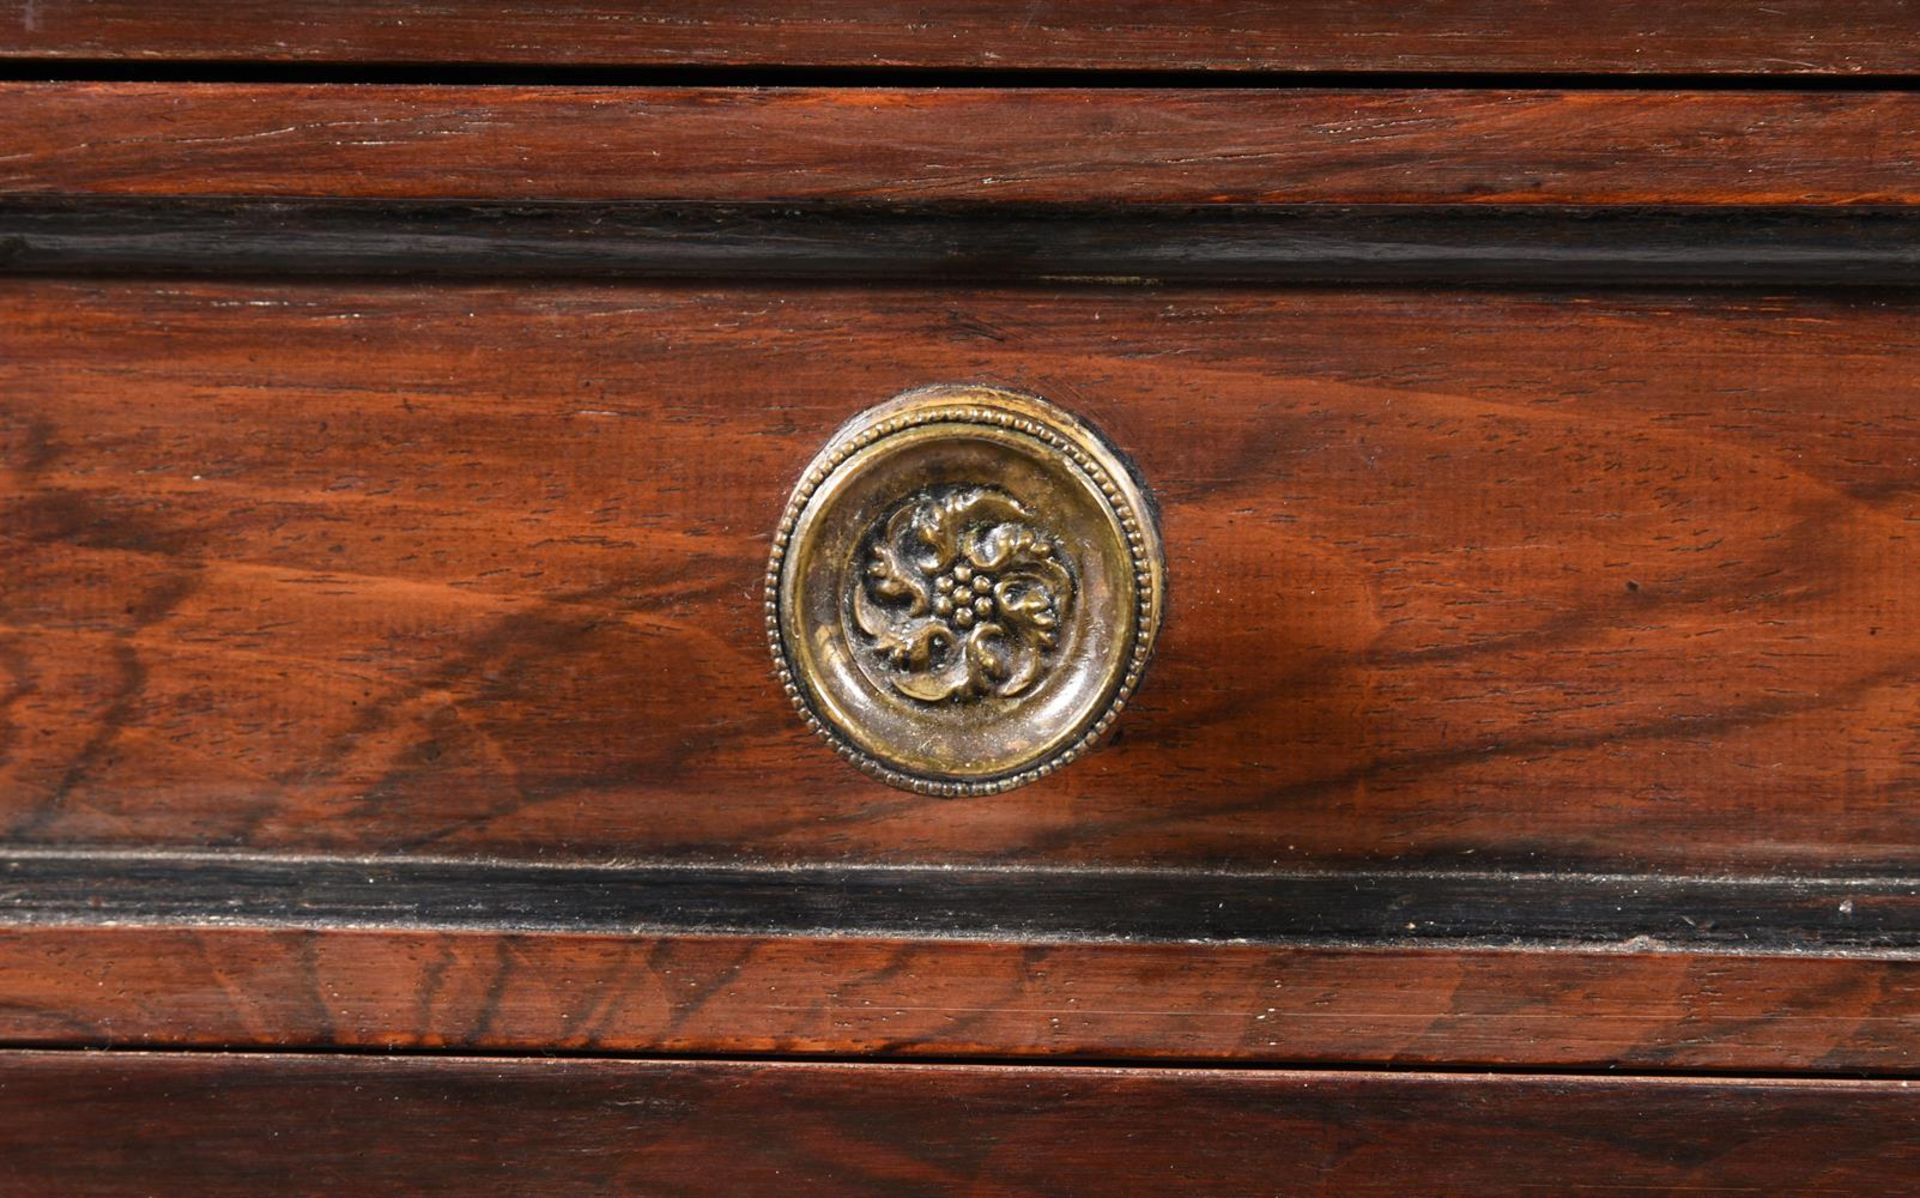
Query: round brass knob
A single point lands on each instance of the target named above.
(964, 590)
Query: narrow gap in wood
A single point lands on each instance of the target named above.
(23, 68)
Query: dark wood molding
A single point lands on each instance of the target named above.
(1396, 907)
(1460, 245)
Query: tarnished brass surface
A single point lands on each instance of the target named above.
(964, 590)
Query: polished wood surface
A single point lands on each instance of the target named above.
(1635, 1006)
(213, 1125)
(1459, 579)
(1787, 37)
(1056, 145)
(396, 406)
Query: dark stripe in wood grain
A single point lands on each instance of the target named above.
(1487, 246)
(1788, 37)
(1633, 1005)
(1170, 906)
(1600, 581)
(208, 1126)
(1057, 145)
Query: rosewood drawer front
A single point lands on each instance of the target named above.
(1596, 581)
(1353, 575)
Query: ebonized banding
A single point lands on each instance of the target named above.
(1042, 904)
(1456, 245)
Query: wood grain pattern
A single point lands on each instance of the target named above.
(1059, 145)
(1791, 37)
(1631, 1006)
(217, 1125)
(1455, 578)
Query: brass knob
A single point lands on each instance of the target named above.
(964, 589)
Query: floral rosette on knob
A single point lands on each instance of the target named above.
(963, 597)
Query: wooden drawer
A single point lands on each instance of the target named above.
(1456, 579)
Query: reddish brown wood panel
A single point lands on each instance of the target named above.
(1468, 579)
(1788, 37)
(1050, 144)
(477, 991)
(211, 1125)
